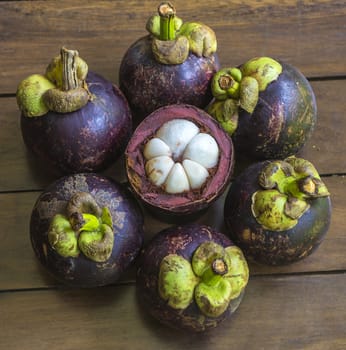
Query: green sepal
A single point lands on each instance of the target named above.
(177, 281)
(30, 94)
(97, 245)
(213, 301)
(264, 69)
(106, 217)
(62, 238)
(170, 51)
(204, 256)
(202, 38)
(295, 207)
(226, 113)
(276, 175)
(91, 222)
(238, 270)
(268, 207)
(249, 94)
(302, 166)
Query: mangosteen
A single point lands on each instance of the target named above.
(178, 161)
(267, 106)
(191, 277)
(86, 229)
(278, 211)
(73, 119)
(173, 64)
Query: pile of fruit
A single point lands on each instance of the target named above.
(181, 123)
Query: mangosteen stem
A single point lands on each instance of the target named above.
(213, 274)
(68, 73)
(70, 79)
(167, 26)
(79, 204)
(226, 83)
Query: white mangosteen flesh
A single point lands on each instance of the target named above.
(179, 156)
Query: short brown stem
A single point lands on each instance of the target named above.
(70, 79)
(80, 203)
(166, 9)
(219, 267)
(225, 82)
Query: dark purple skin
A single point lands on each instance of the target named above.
(148, 84)
(282, 121)
(87, 140)
(266, 246)
(127, 223)
(182, 240)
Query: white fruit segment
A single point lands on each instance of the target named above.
(156, 147)
(177, 181)
(196, 173)
(158, 168)
(202, 149)
(177, 133)
(179, 156)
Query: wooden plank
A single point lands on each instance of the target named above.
(299, 312)
(20, 171)
(326, 148)
(20, 269)
(309, 35)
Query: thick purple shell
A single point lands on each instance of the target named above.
(282, 121)
(182, 240)
(266, 246)
(148, 84)
(127, 223)
(87, 140)
(181, 206)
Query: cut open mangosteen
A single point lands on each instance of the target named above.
(173, 64)
(73, 119)
(191, 277)
(278, 212)
(86, 230)
(267, 106)
(178, 161)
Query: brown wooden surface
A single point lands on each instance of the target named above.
(300, 306)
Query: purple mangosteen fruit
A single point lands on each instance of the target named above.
(71, 118)
(267, 106)
(191, 277)
(173, 64)
(279, 211)
(178, 161)
(86, 230)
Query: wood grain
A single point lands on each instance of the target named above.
(307, 34)
(20, 269)
(276, 313)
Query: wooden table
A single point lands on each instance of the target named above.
(301, 306)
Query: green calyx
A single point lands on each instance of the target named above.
(242, 85)
(86, 229)
(264, 69)
(62, 89)
(226, 113)
(288, 186)
(30, 95)
(173, 40)
(214, 277)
